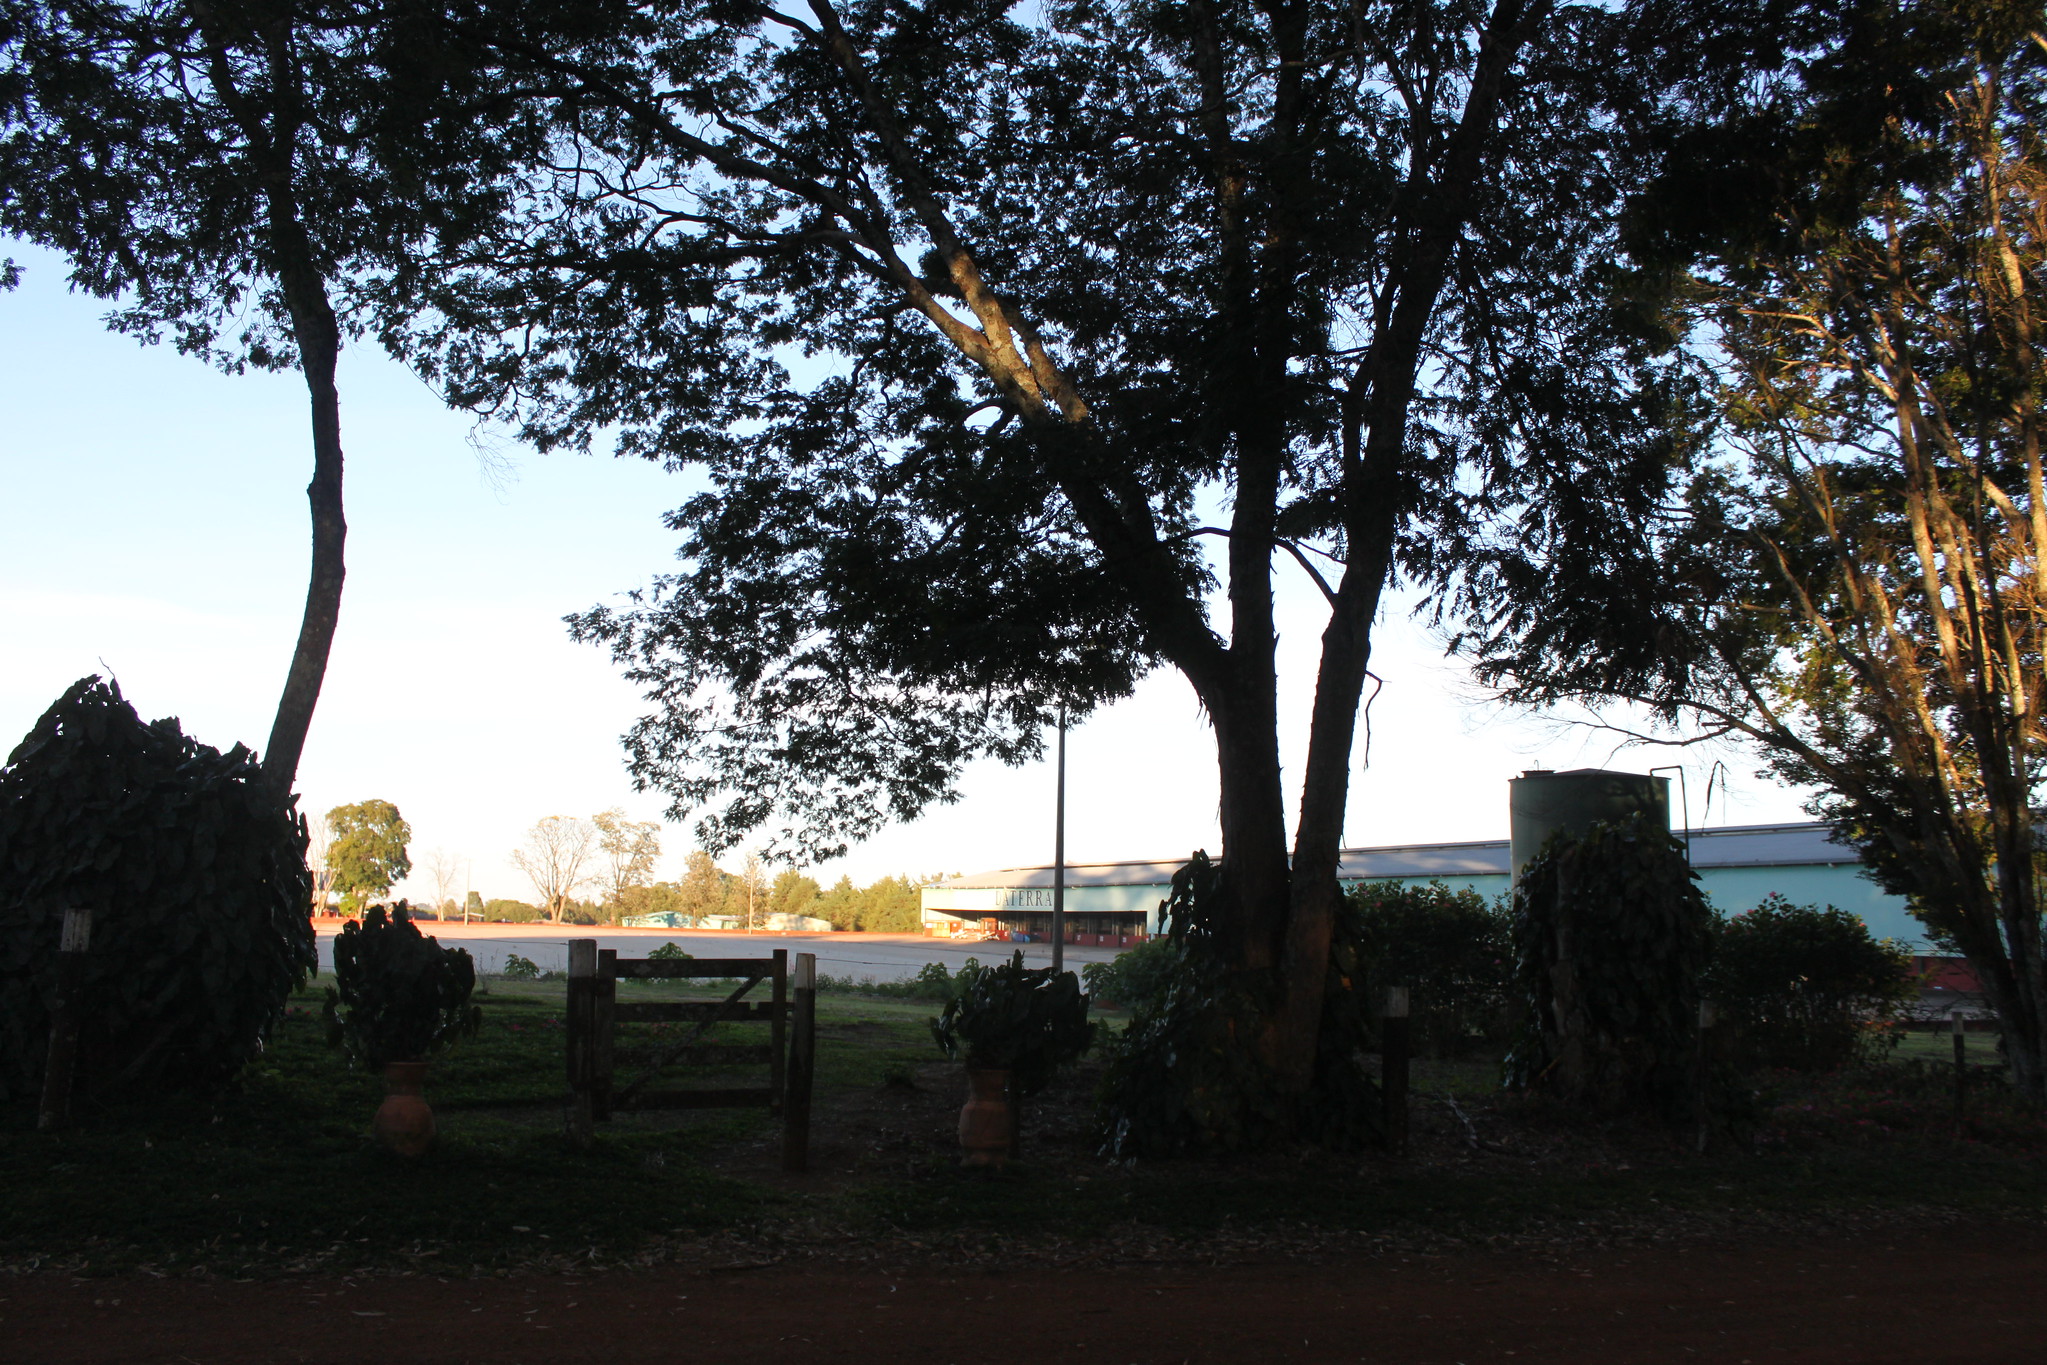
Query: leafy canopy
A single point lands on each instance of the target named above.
(367, 849)
(976, 320)
(186, 156)
(1855, 581)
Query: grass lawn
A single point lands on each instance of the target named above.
(279, 1173)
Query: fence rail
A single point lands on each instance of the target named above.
(595, 1012)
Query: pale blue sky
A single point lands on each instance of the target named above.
(155, 519)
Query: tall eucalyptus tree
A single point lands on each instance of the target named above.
(1857, 585)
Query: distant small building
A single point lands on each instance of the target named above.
(1109, 904)
(797, 924)
(660, 919)
(1117, 904)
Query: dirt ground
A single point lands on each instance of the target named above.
(1961, 1295)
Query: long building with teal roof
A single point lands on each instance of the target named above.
(1116, 904)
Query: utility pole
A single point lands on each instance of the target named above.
(1059, 857)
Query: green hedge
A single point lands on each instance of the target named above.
(1806, 988)
(1453, 950)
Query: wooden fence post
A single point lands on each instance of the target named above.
(603, 996)
(62, 1060)
(1394, 1046)
(1709, 1020)
(778, 1026)
(581, 1021)
(802, 1066)
(1960, 1027)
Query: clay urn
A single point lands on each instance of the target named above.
(404, 1121)
(987, 1127)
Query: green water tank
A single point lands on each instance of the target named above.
(1540, 803)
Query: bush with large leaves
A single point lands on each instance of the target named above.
(196, 876)
(398, 994)
(1029, 1021)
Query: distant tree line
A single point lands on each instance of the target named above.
(890, 905)
(366, 853)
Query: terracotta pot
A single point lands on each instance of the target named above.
(987, 1126)
(404, 1121)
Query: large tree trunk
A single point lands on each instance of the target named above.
(2023, 985)
(271, 125)
(1288, 906)
(1252, 813)
(1317, 892)
(319, 350)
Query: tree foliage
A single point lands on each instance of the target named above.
(629, 849)
(195, 873)
(555, 857)
(502, 911)
(367, 850)
(793, 893)
(703, 886)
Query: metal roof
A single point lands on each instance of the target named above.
(1486, 858)
(1077, 874)
(1769, 846)
(1791, 845)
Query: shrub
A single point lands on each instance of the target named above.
(932, 982)
(1610, 935)
(196, 876)
(1180, 1076)
(398, 995)
(510, 912)
(1451, 949)
(1136, 978)
(670, 952)
(523, 968)
(1802, 986)
(1023, 1020)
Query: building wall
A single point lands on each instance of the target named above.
(1490, 886)
(1735, 889)
(1730, 889)
(1843, 885)
(942, 905)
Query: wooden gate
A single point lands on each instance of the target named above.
(790, 1012)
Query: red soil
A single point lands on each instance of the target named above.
(1918, 1298)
